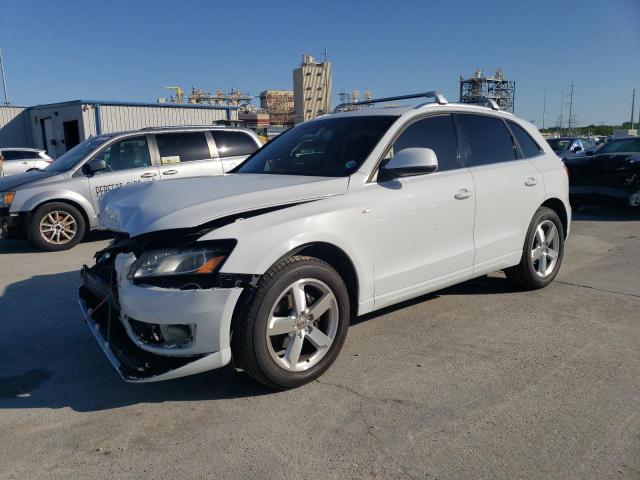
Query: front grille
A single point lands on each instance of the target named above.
(162, 335)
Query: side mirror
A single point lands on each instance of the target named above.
(409, 162)
(95, 165)
(576, 149)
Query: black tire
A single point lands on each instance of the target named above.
(524, 274)
(44, 243)
(249, 344)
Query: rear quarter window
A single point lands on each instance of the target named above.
(233, 144)
(527, 144)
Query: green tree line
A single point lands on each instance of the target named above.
(599, 130)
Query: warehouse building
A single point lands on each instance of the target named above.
(58, 127)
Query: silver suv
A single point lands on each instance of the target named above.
(54, 207)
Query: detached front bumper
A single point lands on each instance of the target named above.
(126, 319)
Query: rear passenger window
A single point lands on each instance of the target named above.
(436, 133)
(233, 144)
(13, 155)
(487, 140)
(182, 147)
(528, 145)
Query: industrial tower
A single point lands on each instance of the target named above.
(479, 87)
(312, 89)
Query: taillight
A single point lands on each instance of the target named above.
(50, 160)
(566, 170)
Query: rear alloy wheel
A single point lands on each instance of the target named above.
(542, 252)
(294, 325)
(545, 249)
(57, 226)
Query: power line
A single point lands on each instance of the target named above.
(84, 79)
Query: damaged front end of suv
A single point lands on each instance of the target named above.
(161, 273)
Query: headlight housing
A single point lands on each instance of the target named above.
(176, 262)
(6, 198)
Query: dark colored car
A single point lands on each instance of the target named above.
(610, 175)
(566, 147)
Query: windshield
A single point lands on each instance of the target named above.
(560, 144)
(627, 145)
(330, 147)
(67, 161)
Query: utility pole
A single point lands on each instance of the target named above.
(4, 81)
(544, 106)
(633, 105)
(561, 109)
(327, 101)
(570, 94)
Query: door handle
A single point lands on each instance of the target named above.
(25, 163)
(530, 182)
(462, 194)
(170, 172)
(148, 175)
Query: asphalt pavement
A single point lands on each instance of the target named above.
(475, 381)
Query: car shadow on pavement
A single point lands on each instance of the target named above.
(603, 213)
(493, 284)
(25, 246)
(49, 359)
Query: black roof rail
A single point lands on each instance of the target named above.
(439, 98)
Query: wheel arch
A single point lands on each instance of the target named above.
(338, 259)
(328, 252)
(68, 201)
(558, 206)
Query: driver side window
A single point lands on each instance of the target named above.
(126, 154)
(437, 133)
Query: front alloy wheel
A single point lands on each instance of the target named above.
(302, 325)
(294, 324)
(56, 226)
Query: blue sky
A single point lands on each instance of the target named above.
(130, 50)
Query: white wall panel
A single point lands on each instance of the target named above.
(14, 127)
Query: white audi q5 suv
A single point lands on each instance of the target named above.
(337, 217)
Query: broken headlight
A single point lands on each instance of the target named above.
(173, 262)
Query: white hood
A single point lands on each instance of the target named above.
(184, 203)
